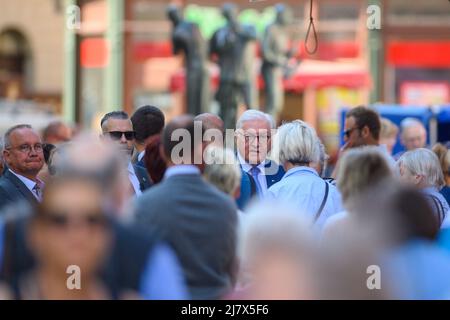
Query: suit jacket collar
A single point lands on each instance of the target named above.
(20, 186)
(143, 177)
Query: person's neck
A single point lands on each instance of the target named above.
(288, 166)
(372, 142)
(53, 285)
(29, 175)
(140, 147)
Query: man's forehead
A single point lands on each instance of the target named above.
(350, 121)
(119, 124)
(414, 129)
(24, 134)
(256, 124)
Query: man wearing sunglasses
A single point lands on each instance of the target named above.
(362, 128)
(118, 128)
(24, 158)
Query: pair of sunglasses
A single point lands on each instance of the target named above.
(117, 135)
(62, 221)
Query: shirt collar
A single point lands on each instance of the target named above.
(431, 190)
(246, 166)
(130, 168)
(30, 184)
(298, 170)
(141, 155)
(181, 169)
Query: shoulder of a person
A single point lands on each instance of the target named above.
(4, 179)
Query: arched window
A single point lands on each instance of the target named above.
(15, 58)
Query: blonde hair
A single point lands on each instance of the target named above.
(222, 169)
(444, 157)
(388, 129)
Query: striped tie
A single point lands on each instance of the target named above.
(38, 190)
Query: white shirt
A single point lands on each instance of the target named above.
(134, 179)
(261, 177)
(303, 188)
(30, 184)
(141, 155)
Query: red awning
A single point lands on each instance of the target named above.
(310, 73)
(419, 54)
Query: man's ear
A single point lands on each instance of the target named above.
(6, 155)
(365, 132)
(418, 179)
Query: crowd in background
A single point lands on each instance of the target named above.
(141, 218)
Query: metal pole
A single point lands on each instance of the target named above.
(70, 70)
(114, 71)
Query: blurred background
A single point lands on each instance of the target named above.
(118, 55)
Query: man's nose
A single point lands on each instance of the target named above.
(33, 152)
(123, 139)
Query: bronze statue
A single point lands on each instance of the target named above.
(276, 54)
(187, 38)
(232, 45)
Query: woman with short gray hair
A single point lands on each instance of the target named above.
(297, 147)
(421, 169)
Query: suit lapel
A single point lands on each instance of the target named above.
(270, 179)
(20, 187)
(273, 178)
(144, 180)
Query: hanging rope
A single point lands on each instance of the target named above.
(311, 26)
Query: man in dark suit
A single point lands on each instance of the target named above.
(147, 121)
(253, 137)
(24, 158)
(195, 218)
(117, 127)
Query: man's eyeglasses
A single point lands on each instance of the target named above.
(253, 137)
(26, 148)
(348, 132)
(117, 135)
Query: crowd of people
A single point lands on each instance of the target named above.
(151, 209)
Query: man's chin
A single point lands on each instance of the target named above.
(254, 160)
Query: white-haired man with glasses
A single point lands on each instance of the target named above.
(254, 142)
(24, 158)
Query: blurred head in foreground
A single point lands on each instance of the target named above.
(358, 170)
(278, 254)
(70, 229)
(87, 155)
